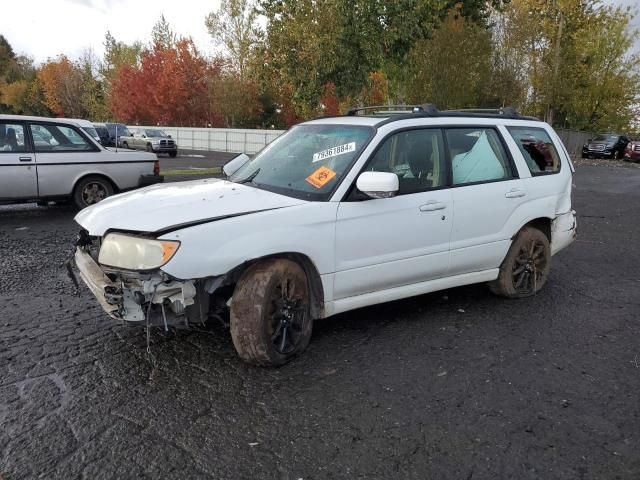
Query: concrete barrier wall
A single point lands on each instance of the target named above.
(221, 139)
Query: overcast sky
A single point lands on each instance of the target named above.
(46, 28)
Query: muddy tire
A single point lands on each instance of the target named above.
(525, 269)
(91, 190)
(270, 315)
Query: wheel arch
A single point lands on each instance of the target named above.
(84, 175)
(541, 223)
(316, 289)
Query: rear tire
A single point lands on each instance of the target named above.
(526, 267)
(91, 190)
(270, 316)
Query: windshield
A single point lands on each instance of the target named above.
(307, 162)
(155, 133)
(91, 131)
(605, 138)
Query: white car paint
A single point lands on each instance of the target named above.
(36, 175)
(364, 252)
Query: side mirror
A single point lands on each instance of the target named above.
(378, 184)
(234, 165)
(144, 136)
(168, 136)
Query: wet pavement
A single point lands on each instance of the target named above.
(452, 385)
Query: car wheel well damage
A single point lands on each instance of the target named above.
(228, 282)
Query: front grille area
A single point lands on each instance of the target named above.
(596, 147)
(167, 143)
(636, 148)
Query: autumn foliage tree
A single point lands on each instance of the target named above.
(169, 87)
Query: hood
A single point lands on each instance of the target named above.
(166, 207)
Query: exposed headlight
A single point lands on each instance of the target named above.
(135, 253)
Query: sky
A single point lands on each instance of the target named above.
(46, 28)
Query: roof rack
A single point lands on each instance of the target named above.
(426, 108)
(401, 112)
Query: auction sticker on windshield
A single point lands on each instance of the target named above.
(334, 151)
(321, 177)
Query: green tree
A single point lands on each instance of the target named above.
(234, 27)
(452, 69)
(162, 35)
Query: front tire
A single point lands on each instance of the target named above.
(125, 145)
(270, 316)
(526, 267)
(173, 154)
(91, 190)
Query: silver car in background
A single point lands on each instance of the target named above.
(150, 139)
(43, 159)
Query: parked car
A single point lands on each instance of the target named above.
(87, 126)
(43, 159)
(116, 131)
(102, 132)
(150, 139)
(605, 145)
(632, 152)
(336, 214)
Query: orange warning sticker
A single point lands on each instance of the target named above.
(321, 177)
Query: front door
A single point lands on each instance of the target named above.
(391, 242)
(18, 173)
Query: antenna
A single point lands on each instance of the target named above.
(116, 138)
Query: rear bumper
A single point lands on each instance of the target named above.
(146, 180)
(564, 230)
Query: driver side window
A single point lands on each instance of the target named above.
(416, 156)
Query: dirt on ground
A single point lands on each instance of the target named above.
(457, 384)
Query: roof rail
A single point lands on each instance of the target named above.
(506, 111)
(426, 108)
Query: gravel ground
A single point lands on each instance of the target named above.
(452, 385)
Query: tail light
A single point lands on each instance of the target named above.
(156, 167)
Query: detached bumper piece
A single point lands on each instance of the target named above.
(146, 180)
(131, 297)
(564, 230)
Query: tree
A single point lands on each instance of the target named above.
(452, 69)
(162, 35)
(61, 83)
(234, 27)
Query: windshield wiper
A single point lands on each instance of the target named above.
(250, 178)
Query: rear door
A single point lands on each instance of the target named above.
(486, 194)
(63, 154)
(18, 171)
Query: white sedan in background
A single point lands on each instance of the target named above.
(43, 159)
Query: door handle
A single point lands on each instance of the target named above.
(25, 159)
(515, 193)
(433, 206)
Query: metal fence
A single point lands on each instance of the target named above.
(221, 139)
(252, 141)
(574, 140)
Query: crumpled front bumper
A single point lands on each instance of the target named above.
(129, 296)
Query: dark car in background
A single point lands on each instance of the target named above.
(114, 133)
(102, 132)
(632, 152)
(605, 145)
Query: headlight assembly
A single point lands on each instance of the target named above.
(135, 253)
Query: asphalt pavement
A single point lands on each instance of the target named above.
(456, 384)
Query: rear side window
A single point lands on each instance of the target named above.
(58, 138)
(477, 155)
(12, 138)
(537, 149)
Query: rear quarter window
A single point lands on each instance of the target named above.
(537, 148)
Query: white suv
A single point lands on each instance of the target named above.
(336, 214)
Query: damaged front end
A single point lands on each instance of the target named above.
(146, 297)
